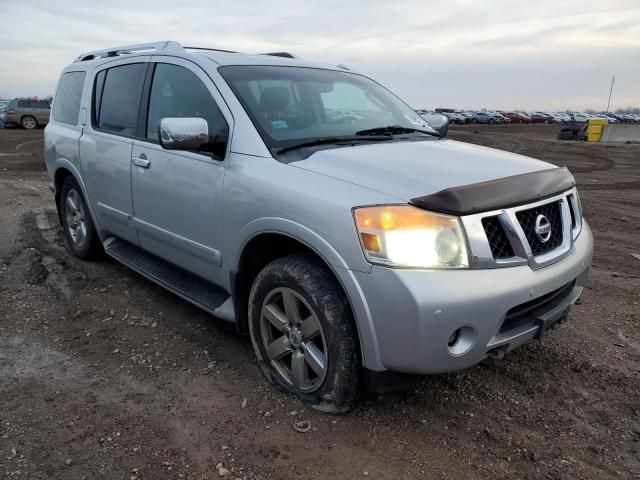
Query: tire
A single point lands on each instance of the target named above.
(491, 121)
(29, 123)
(474, 121)
(81, 237)
(312, 291)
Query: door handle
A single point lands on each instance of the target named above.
(141, 161)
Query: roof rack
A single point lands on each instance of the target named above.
(166, 45)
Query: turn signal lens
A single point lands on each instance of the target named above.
(407, 236)
(371, 242)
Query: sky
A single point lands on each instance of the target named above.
(471, 54)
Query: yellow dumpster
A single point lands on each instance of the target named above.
(594, 129)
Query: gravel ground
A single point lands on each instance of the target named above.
(105, 375)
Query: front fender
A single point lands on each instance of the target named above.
(364, 323)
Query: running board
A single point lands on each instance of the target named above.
(186, 285)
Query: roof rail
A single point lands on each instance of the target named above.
(140, 47)
(210, 49)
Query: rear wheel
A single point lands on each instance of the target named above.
(303, 333)
(79, 231)
(492, 121)
(29, 123)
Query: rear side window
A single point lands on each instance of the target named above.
(42, 104)
(117, 97)
(24, 104)
(67, 105)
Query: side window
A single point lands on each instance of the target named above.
(67, 106)
(24, 104)
(117, 92)
(178, 92)
(97, 95)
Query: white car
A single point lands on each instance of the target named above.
(581, 117)
(561, 117)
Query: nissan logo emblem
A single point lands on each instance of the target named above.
(543, 228)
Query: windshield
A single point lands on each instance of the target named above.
(291, 105)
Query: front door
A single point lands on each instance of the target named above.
(177, 195)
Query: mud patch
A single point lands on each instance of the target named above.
(44, 252)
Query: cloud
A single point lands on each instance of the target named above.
(462, 53)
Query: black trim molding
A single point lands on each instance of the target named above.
(500, 193)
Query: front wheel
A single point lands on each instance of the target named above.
(303, 333)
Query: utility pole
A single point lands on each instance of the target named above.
(613, 80)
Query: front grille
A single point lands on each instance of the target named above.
(527, 219)
(498, 241)
(526, 313)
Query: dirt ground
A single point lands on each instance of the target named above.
(105, 375)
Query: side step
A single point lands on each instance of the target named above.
(186, 285)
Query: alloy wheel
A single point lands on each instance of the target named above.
(75, 216)
(293, 339)
(29, 123)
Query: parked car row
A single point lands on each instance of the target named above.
(25, 113)
(520, 116)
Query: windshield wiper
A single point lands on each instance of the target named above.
(394, 130)
(336, 140)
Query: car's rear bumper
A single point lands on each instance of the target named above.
(415, 313)
(11, 120)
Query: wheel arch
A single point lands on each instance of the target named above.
(28, 115)
(64, 170)
(266, 245)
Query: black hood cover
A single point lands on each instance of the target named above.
(500, 193)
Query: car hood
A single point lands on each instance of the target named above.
(407, 170)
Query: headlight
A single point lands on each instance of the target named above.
(406, 236)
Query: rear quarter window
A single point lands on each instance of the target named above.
(66, 108)
(24, 104)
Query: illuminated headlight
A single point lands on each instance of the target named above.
(406, 236)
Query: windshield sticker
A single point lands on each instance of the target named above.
(415, 120)
(279, 124)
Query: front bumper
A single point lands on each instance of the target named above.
(414, 313)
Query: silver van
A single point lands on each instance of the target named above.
(314, 209)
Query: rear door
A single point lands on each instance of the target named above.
(41, 111)
(105, 146)
(177, 195)
(24, 109)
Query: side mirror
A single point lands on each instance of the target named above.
(439, 122)
(183, 133)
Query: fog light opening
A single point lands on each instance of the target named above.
(461, 340)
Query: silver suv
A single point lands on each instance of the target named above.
(314, 209)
